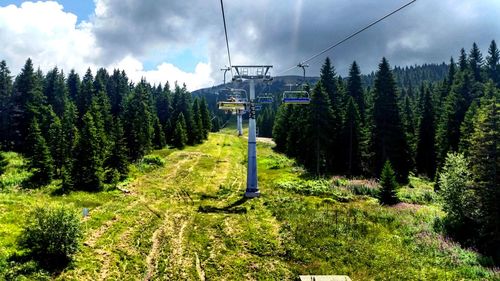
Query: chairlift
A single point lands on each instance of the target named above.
(296, 97)
(264, 99)
(232, 105)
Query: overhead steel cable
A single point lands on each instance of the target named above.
(227, 41)
(348, 37)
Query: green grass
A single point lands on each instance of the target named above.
(186, 221)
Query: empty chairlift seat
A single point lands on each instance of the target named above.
(296, 97)
(265, 99)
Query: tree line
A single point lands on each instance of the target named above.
(85, 131)
(352, 129)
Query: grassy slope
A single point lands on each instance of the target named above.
(186, 221)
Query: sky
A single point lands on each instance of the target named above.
(183, 41)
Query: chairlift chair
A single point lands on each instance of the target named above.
(296, 97)
(265, 99)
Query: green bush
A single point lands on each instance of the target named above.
(51, 235)
(153, 160)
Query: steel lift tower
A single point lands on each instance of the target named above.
(252, 73)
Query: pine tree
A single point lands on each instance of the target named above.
(409, 125)
(355, 89)
(320, 124)
(87, 173)
(54, 141)
(55, 90)
(462, 61)
(180, 135)
(139, 122)
(85, 94)
(73, 85)
(426, 155)
(205, 118)
(352, 136)
(117, 90)
(451, 72)
(453, 113)
(40, 160)
(388, 185)
(485, 162)
(331, 86)
(5, 106)
(27, 100)
(117, 160)
(388, 139)
(493, 63)
(467, 128)
(281, 126)
(158, 136)
(476, 62)
(68, 140)
(198, 125)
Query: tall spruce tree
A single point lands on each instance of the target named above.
(73, 84)
(453, 113)
(117, 160)
(485, 162)
(180, 136)
(159, 141)
(388, 139)
(5, 106)
(493, 63)
(205, 118)
(68, 140)
(139, 122)
(55, 90)
(355, 89)
(281, 126)
(467, 128)
(331, 87)
(86, 92)
(27, 100)
(463, 61)
(40, 160)
(321, 119)
(87, 173)
(476, 62)
(426, 154)
(352, 138)
(198, 124)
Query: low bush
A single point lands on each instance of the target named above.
(153, 160)
(51, 235)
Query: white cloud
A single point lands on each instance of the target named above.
(47, 34)
(167, 72)
(51, 37)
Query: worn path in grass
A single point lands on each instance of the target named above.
(184, 221)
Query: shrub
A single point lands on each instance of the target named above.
(388, 185)
(51, 235)
(153, 160)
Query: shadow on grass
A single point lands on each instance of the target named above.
(25, 264)
(233, 208)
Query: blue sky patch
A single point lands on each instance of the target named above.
(81, 8)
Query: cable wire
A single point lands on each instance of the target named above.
(349, 37)
(227, 41)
